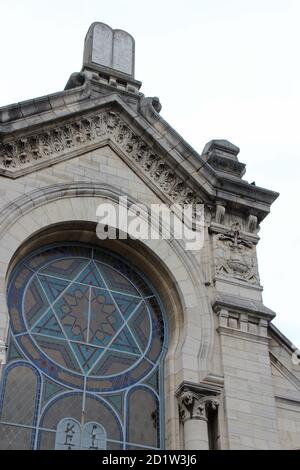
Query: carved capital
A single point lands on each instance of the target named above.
(195, 406)
(211, 403)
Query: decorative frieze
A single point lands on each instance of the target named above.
(47, 145)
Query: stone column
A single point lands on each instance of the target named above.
(193, 414)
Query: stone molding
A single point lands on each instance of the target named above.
(288, 374)
(237, 305)
(38, 197)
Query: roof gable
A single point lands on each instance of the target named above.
(107, 121)
(148, 143)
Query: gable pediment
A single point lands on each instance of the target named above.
(136, 131)
(107, 123)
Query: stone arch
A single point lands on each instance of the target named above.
(69, 210)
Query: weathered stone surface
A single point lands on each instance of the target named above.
(109, 48)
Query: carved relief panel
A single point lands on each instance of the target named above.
(235, 256)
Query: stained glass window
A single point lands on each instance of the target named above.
(87, 340)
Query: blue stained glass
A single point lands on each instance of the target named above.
(72, 311)
(87, 355)
(92, 324)
(105, 319)
(125, 342)
(48, 325)
(126, 304)
(91, 276)
(52, 287)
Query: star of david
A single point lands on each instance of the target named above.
(88, 321)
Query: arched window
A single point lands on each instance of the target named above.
(90, 331)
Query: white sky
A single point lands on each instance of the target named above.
(221, 68)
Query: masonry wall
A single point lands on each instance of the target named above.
(249, 395)
(288, 417)
(286, 384)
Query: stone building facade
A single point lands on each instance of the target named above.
(125, 343)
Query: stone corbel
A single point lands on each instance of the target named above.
(223, 317)
(252, 223)
(220, 214)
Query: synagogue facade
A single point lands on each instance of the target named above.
(120, 342)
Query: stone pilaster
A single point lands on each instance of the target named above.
(243, 320)
(248, 389)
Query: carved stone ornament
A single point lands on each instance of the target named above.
(235, 256)
(48, 145)
(195, 406)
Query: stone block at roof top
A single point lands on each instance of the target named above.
(106, 47)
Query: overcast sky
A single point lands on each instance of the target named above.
(221, 68)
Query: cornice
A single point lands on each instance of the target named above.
(240, 304)
(202, 388)
(18, 115)
(292, 378)
(283, 340)
(234, 191)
